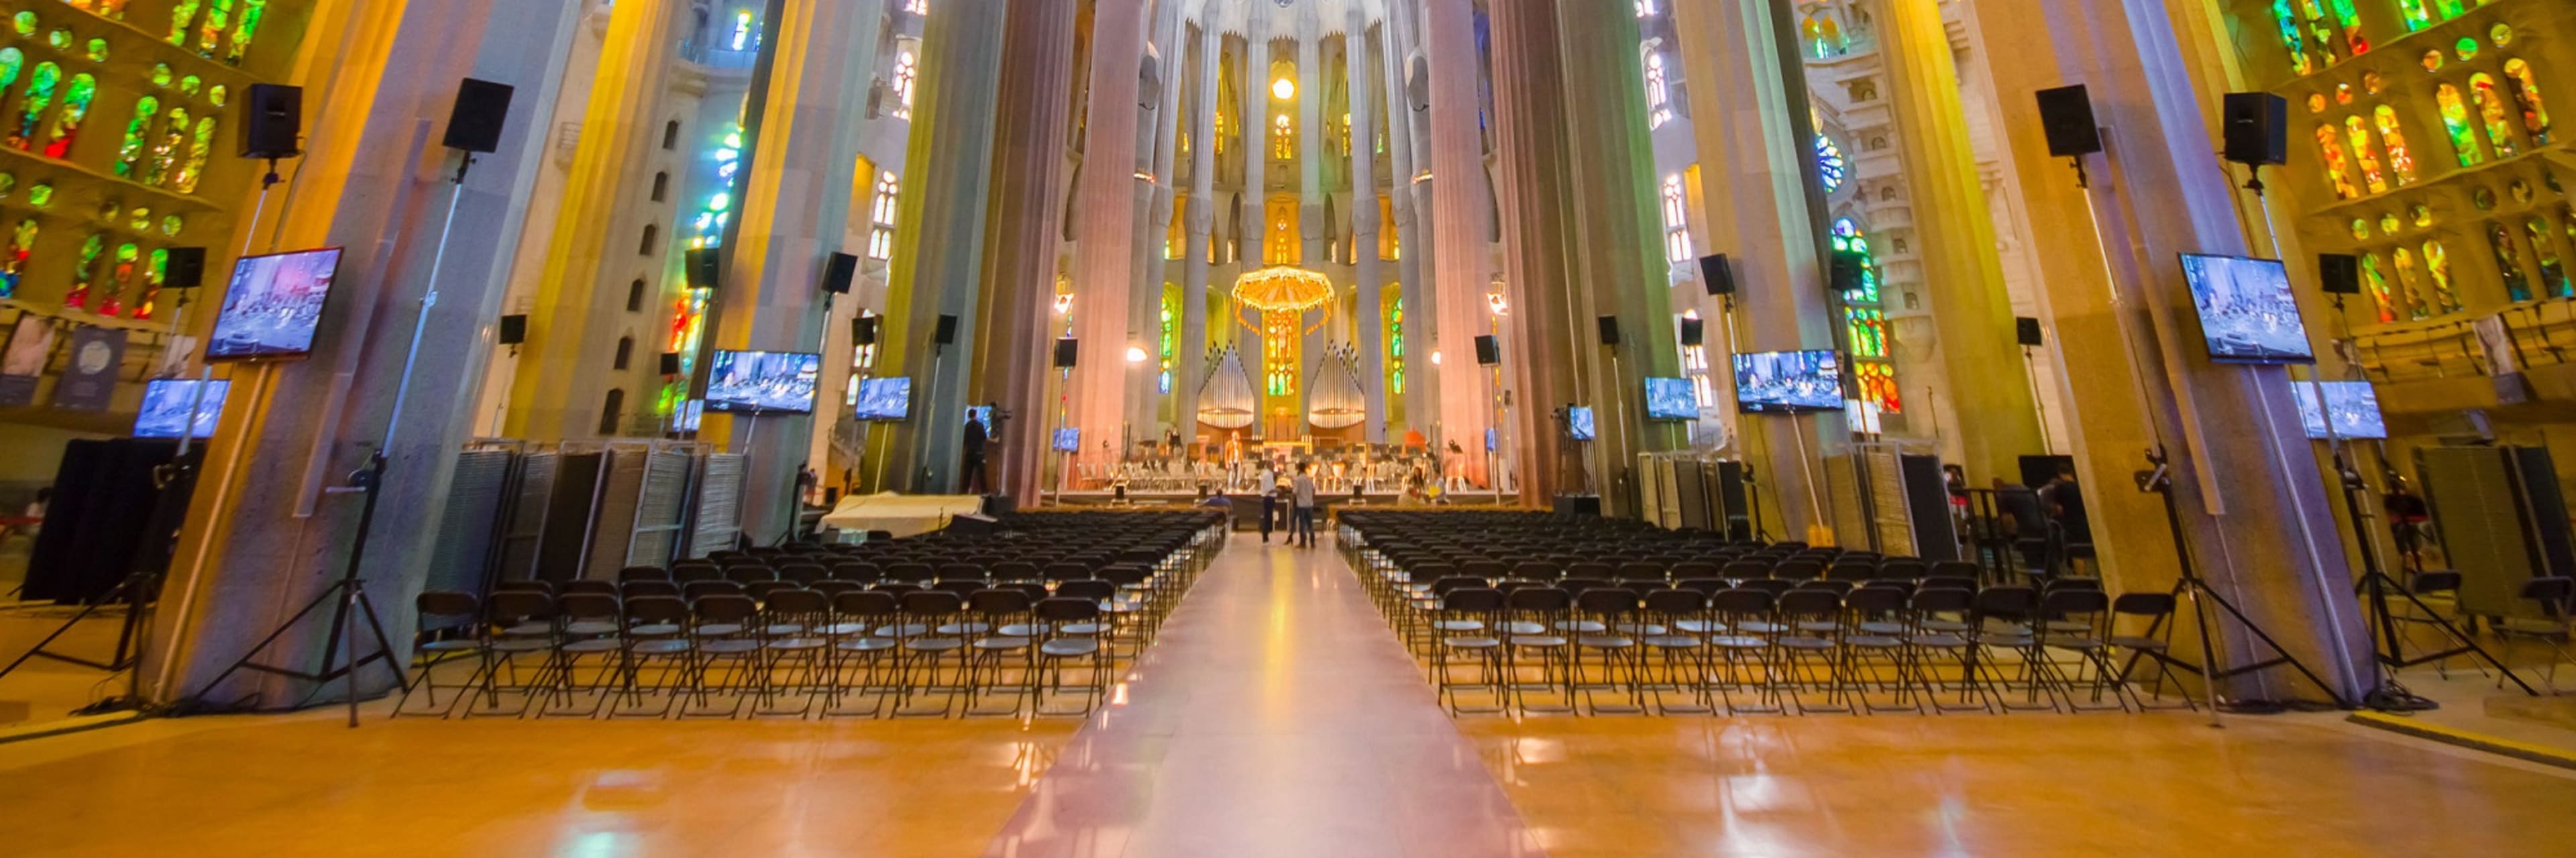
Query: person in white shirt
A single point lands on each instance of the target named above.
(1301, 521)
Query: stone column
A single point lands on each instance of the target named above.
(1422, 303)
(262, 537)
(1409, 240)
(1311, 228)
(574, 326)
(1462, 242)
(1543, 344)
(794, 210)
(1104, 254)
(1025, 222)
(2256, 512)
(1157, 130)
(1747, 84)
(1201, 212)
(1996, 423)
(1370, 327)
(939, 243)
(1256, 196)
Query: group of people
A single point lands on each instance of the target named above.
(1294, 496)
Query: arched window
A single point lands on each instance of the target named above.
(1659, 94)
(881, 216)
(1283, 138)
(652, 239)
(2526, 94)
(625, 353)
(906, 71)
(2517, 286)
(2455, 121)
(2365, 154)
(2553, 273)
(2437, 266)
(635, 296)
(661, 186)
(612, 411)
(2338, 171)
(671, 134)
(1830, 164)
(1677, 240)
(2392, 137)
(2493, 115)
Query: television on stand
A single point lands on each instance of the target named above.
(273, 306)
(885, 398)
(1791, 382)
(1671, 399)
(756, 382)
(2247, 312)
(1068, 440)
(2354, 405)
(168, 404)
(1579, 422)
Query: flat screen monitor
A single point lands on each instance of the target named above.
(168, 401)
(982, 414)
(2353, 405)
(1671, 399)
(1788, 382)
(2247, 312)
(1578, 419)
(885, 398)
(746, 382)
(273, 306)
(1068, 440)
(688, 417)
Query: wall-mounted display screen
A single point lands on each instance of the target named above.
(273, 306)
(1671, 399)
(2247, 312)
(2353, 405)
(885, 398)
(746, 382)
(172, 403)
(1788, 382)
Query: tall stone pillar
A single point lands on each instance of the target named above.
(574, 326)
(1312, 230)
(1545, 341)
(1409, 224)
(1157, 130)
(1026, 219)
(1104, 253)
(263, 536)
(1422, 304)
(939, 247)
(2255, 513)
(1995, 419)
(795, 206)
(1201, 212)
(1462, 242)
(1755, 203)
(1256, 195)
(1371, 329)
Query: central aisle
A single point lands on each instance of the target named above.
(1276, 715)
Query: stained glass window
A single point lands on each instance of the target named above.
(153, 276)
(2553, 273)
(907, 71)
(1171, 312)
(67, 121)
(2517, 286)
(165, 149)
(2437, 266)
(13, 265)
(1395, 345)
(2455, 120)
(2291, 38)
(2410, 278)
(1677, 240)
(40, 98)
(1830, 164)
(1848, 237)
(2338, 170)
(127, 255)
(1659, 109)
(85, 276)
(219, 14)
(1868, 328)
(201, 146)
(2518, 77)
(881, 213)
(2380, 299)
(129, 151)
(2392, 137)
(2493, 115)
(1877, 382)
(2365, 154)
(246, 30)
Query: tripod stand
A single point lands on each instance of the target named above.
(139, 591)
(2191, 586)
(2374, 588)
(351, 594)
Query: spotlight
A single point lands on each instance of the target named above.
(1135, 354)
(1283, 89)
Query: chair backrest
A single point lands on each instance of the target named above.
(1673, 603)
(1901, 569)
(910, 573)
(1873, 600)
(447, 605)
(801, 573)
(1809, 603)
(864, 603)
(1742, 602)
(2552, 594)
(2074, 603)
(2013, 602)
(1013, 570)
(1472, 600)
(1798, 569)
(749, 574)
(1942, 600)
(2435, 582)
(690, 574)
(657, 609)
(1607, 601)
(1089, 588)
(1745, 570)
(995, 602)
(830, 588)
(932, 603)
(1067, 571)
(1577, 585)
(524, 586)
(1774, 586)
(723, 608)
(762, 590)
(632, 589)
(587, 606)
(509, 607)
(696, 590)
(643, 573)
(1639, 572)
(961, 572)
(959, 587)
(1539, 599)
(1062, 610)
(797, 601)
(1950, 582)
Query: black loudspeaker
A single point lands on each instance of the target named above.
(2066, 113)
(184, 268)
(2026, 330)
(1609, 330)
(1717, 275)
(2339, 273)
(946, 333)
(1489, 352)
(1694, 332)
(838, 271)
(1845, 270)
(1065, 349)
(514, 329)
(670, 363)
(2257, 128)
(272, 117)
(474, 125)
(863, 331)
(704, 267)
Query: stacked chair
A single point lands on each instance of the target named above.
(1032, 619)
(1521, 612)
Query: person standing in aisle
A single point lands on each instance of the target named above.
(1301, 522)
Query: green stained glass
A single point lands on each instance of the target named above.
(2421, 214)
(2525, 86)
(2432, 61)
(2287, 24)
(2501, 34)
(97, 50)
(24, 23)
(2419, 13)
(217, 95)
(165, 146)
(2517, 286)
(11, 61)
(219, 14)
(2553, 272)
(200, 149)
(161, 74)
(2451, 8)
(247, 29)
(171, 224)
(2379, 297)
(2520, 189)
(60, 39)
(188, 85)
(140, 219)
(129, 151)
(2360, 229)
(2388, 224)
(8, 185)
(2437, 265)
(2493, 115)
(40, 98)
(2365, 154)
(2392, 137)
(67, 121)
(41, 195)
(13, 266)
(154, 274)
(2466, 48)
(86, 275)
(108, 211)
(2455, 120)
(181, 13)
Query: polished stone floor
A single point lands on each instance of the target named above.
(1276, 716)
